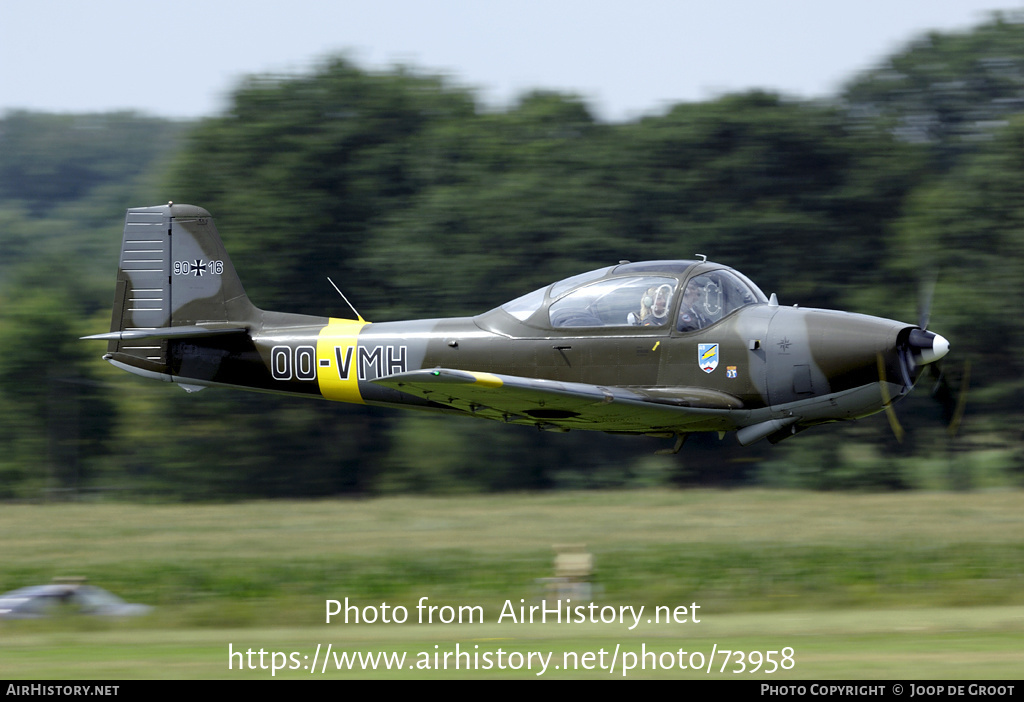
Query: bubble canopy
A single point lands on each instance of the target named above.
(639, 295)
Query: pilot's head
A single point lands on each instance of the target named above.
(655, 302)
(691, 294)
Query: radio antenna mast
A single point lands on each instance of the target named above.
(351, 306)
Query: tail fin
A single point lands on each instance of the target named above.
(174, 280)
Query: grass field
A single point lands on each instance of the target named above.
(914, 585)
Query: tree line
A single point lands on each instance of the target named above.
(421, 202)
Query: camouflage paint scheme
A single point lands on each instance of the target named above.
(181, 315)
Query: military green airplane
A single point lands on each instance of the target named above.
(658, 348)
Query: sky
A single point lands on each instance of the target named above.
(183, 59)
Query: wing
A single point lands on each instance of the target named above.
(551, 404)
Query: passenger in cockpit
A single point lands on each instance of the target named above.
(653, 307)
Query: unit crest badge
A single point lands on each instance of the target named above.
(707, 357)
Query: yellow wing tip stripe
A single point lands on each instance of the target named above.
(487, 380)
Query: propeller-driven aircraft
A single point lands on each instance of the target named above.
(657, 348)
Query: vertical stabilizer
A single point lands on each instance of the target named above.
(174, 276)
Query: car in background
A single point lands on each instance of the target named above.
(39, 601)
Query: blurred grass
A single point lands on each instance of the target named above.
(749, 550)
(910, 585)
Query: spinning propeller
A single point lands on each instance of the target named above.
(918, 348)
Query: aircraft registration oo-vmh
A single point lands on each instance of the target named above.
(657, 348)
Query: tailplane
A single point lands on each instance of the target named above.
(174, 280)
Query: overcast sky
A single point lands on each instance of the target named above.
(626, 58)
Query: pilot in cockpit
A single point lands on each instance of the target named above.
(690, 317)
(653, 307)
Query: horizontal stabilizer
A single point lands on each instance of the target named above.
(167, 333)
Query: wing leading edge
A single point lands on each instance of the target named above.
(552, 404)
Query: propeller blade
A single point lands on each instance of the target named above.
(953, 406)
(894, 422)
(924, 301)
(961, 401)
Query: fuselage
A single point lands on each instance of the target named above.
(767, 362)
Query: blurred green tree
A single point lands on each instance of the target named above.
(948, 91)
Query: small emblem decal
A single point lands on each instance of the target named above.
(784, 345)
(730, 371)
(707, 357)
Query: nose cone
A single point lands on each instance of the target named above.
(928, 347)
(940, 347)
